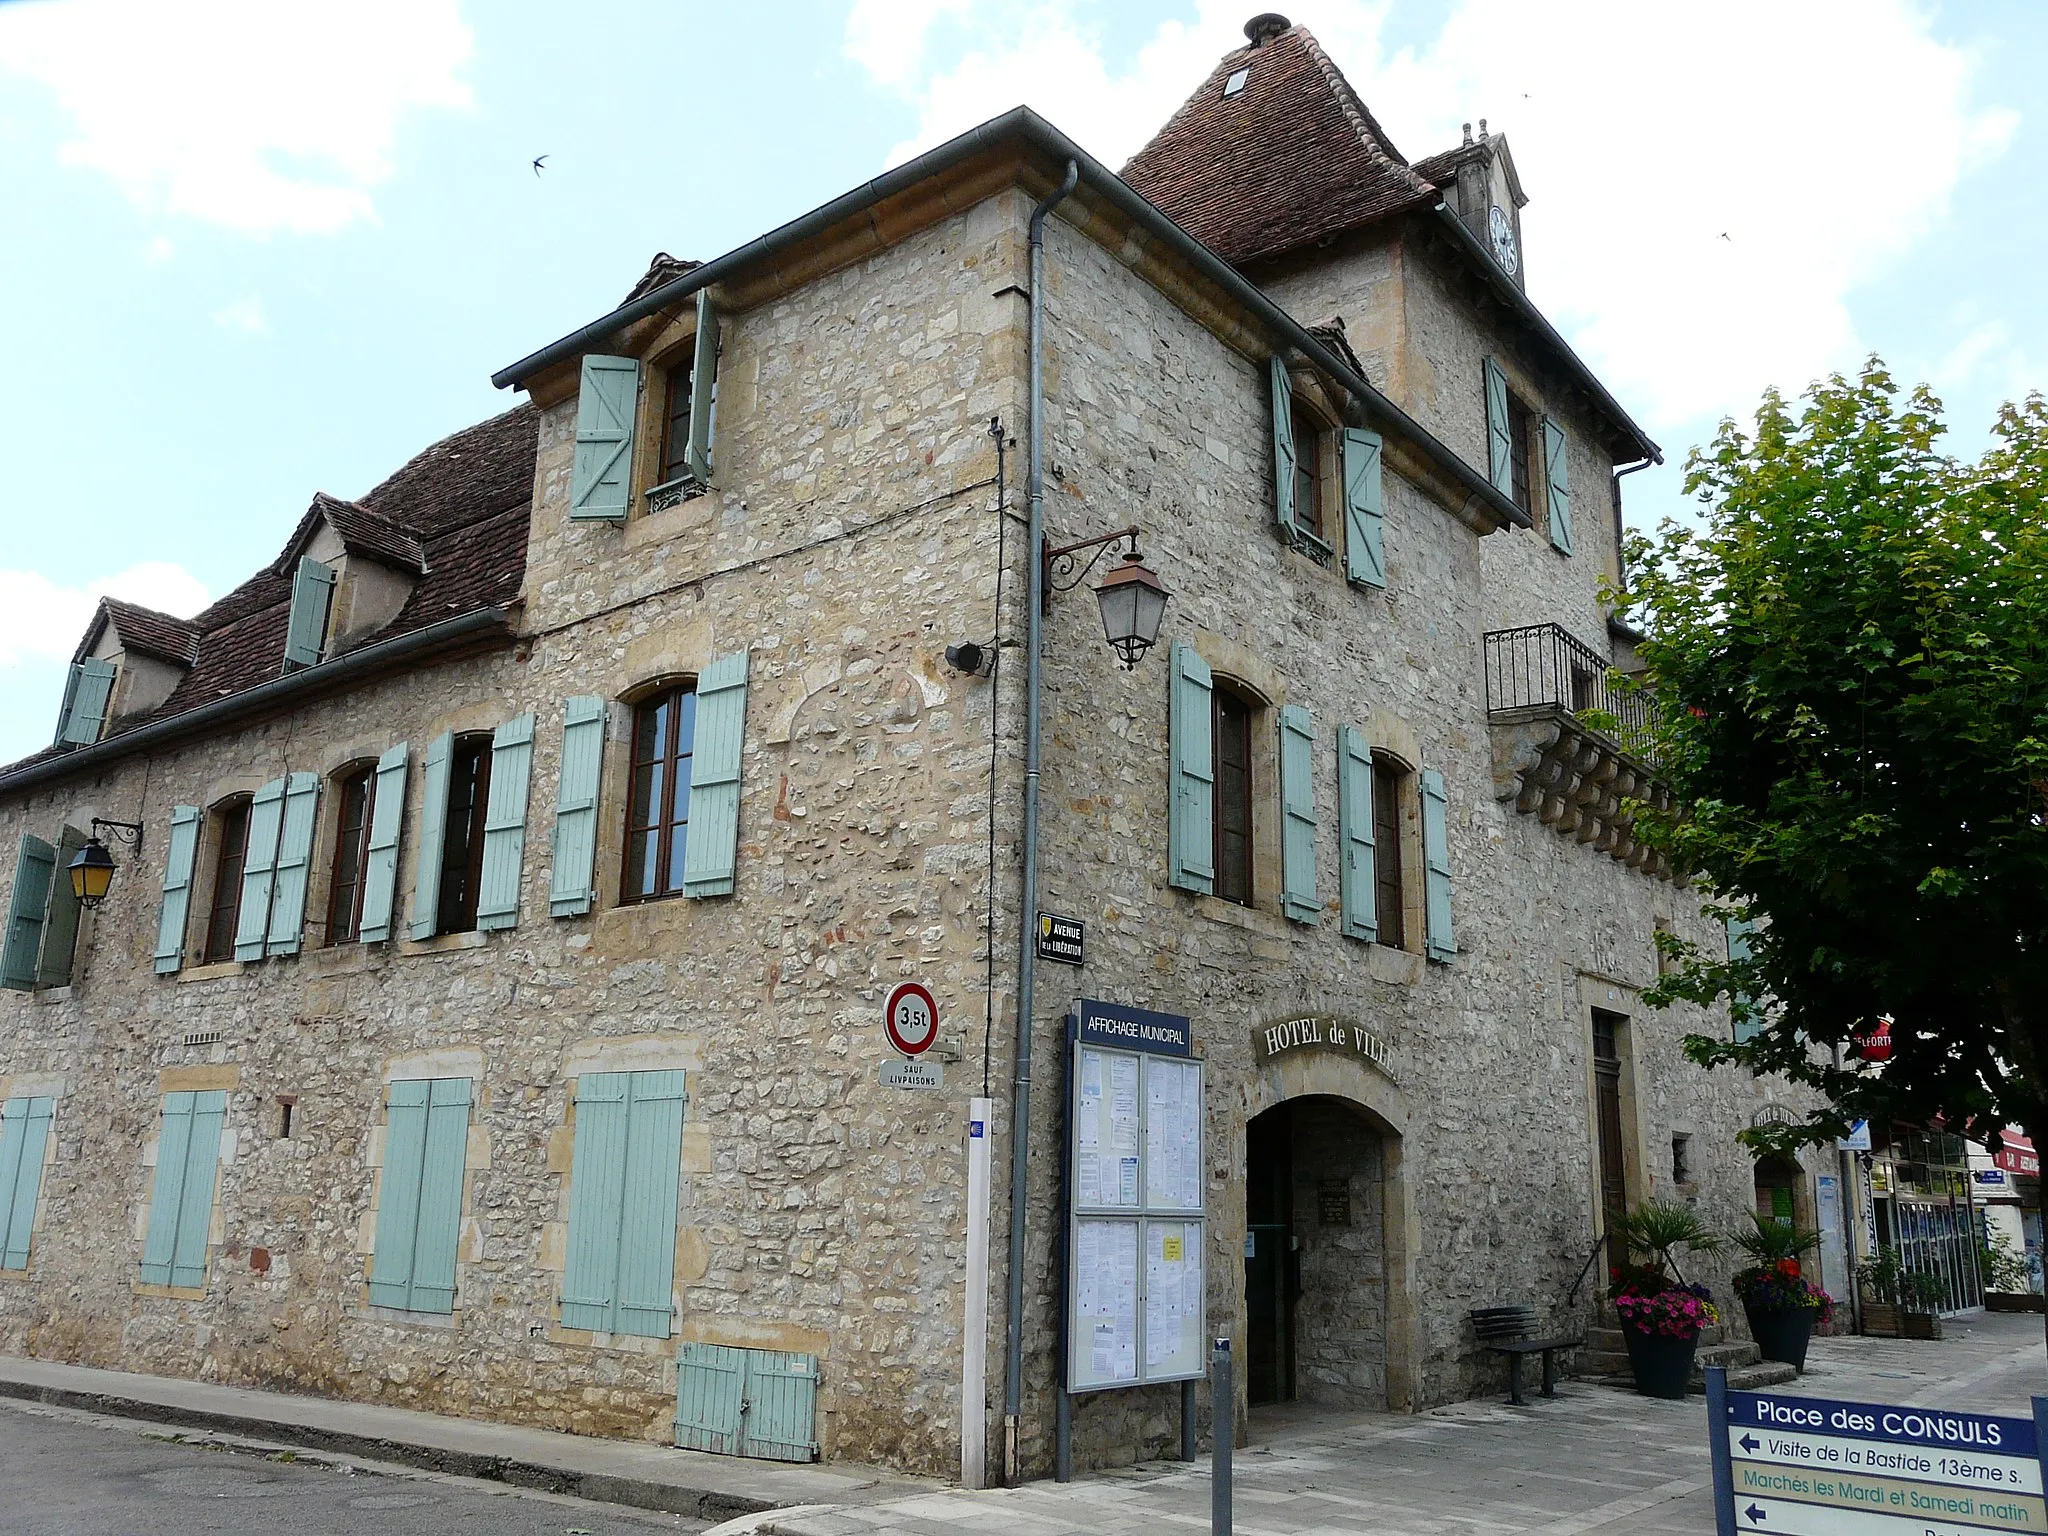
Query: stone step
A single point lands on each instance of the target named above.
(1733, 1356)
(1748, 1378)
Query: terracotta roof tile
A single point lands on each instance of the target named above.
(363, 532)
(1292, 158)
(663, 269)
(148, 631)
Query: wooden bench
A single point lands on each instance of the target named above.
(1507, 1331)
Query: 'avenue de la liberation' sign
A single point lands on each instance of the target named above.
(1320, 1031)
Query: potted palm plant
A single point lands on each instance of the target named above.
(1920, 1304)
(1782, 1305)
(1661, 1313)
(1879, 1278)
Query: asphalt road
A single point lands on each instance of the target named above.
(65, 1473)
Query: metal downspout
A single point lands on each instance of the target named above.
(1027, 895)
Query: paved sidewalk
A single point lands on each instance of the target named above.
(645, 1476)
(1601, 1460)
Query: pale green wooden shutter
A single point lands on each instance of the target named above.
(601, 480)
(703, 388)
(419, 1203)
(24, 1126)
(647, 1238)
(34, 866)
(1557, 472)
(1500, 437)
(181, 1207)
(711, 1385)
(597, 1189)
(575, 851)
(306, 631)
(497, 902)
(60, 926)
(259, 870)
(175, 915)
(1298, 815)
(1285, 455)
(380, 874)
(426, 879)
(1739, 931)
(712, 851)
(1365, 556)
(1358, 895)
(294, 857)
(86, 690)
(1191, 812)
(781, 1406)
(1436, 867)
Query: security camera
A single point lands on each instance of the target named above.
(965, 657)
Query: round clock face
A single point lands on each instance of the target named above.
(1503, 239)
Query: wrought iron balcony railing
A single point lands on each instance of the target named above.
(1547, 666)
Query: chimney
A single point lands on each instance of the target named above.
(1266, 26)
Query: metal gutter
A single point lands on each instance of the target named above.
(1504, 288)
(309, 682)
(1036, 132)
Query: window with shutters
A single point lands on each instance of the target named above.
(625, 1175)
(24, 1146)
(419, 1194)
(1232, 746)
(353, 788)
(658, 796)
(1521, 437)
(1390, 791)
(229, 824)
(1308, 474)
(675, 428)
(462, 843)
(181, 1199)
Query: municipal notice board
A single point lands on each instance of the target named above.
(1135, 1284)
(1813, 1466)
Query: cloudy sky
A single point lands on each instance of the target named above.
(256, 250)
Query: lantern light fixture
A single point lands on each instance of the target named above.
(1132, 597)
(92, 867)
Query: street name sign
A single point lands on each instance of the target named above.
(1815, 1466)
(1064, 939)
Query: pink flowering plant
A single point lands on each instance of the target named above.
(1679, 1312)
(1649, 1293)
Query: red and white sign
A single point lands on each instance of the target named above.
(911, 1019)
(2017, 1155)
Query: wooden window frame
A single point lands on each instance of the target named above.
(224, 900)
(345, 897)
(1524, 428)
(1391, 788)
(673, 762)
(1311, 503)
(673, 462)
(1225, 699)
(462, 862)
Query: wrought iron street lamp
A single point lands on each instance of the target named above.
(92, 867)
(1132, 597)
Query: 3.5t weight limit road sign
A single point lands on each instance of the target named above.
(911, 1019)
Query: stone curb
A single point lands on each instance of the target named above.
(599, 1487)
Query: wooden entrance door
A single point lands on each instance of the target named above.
(1607, 1116)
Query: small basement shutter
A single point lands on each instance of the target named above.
(380, 875)
(426, 880)
(1436, 855)
(312, 592)
(747, 1402)
(175, 915)
(711, 1384)
(294, 856)
(623, 1183)
(1191, 734)
(259, 870)
(1355, 882)
(1285, 457)
(1500, 436)
(181, 1207)
(60, 927)
(575, 851)
(712, 852)
(34, 866)
(1557, 472)
(601, 480)
(24, 1128)
(1298, 811)
(419, 1200)
(497, 903)
(86, 690)
(703, 390)
(1365, 558)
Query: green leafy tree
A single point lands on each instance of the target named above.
(1849, 657)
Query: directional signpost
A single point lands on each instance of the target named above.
(1812, 1466)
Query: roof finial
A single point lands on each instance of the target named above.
(1266, 26)
(1482, 130)
(1468, 133)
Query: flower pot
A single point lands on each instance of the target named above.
(1782, 1333)
(1662, 1364)
(1919, 1325)
(1881, 1319)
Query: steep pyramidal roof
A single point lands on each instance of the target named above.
(1288, 159)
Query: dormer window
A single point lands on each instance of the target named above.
(305, 636)
(675, 437)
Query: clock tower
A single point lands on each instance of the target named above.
(1478, 183)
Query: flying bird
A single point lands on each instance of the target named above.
(1724, 236)
(537, 163)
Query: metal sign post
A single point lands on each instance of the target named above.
(1223, 1416)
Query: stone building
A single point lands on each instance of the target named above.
(487, 1018)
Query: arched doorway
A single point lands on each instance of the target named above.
(1779, 1190)
(1315, 1255)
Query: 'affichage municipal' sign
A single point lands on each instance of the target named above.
(1320, 1032)
(1813, 1466)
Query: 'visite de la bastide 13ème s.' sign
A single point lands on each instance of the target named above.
(1320, 1032)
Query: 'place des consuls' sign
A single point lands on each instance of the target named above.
(1813, 1466)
